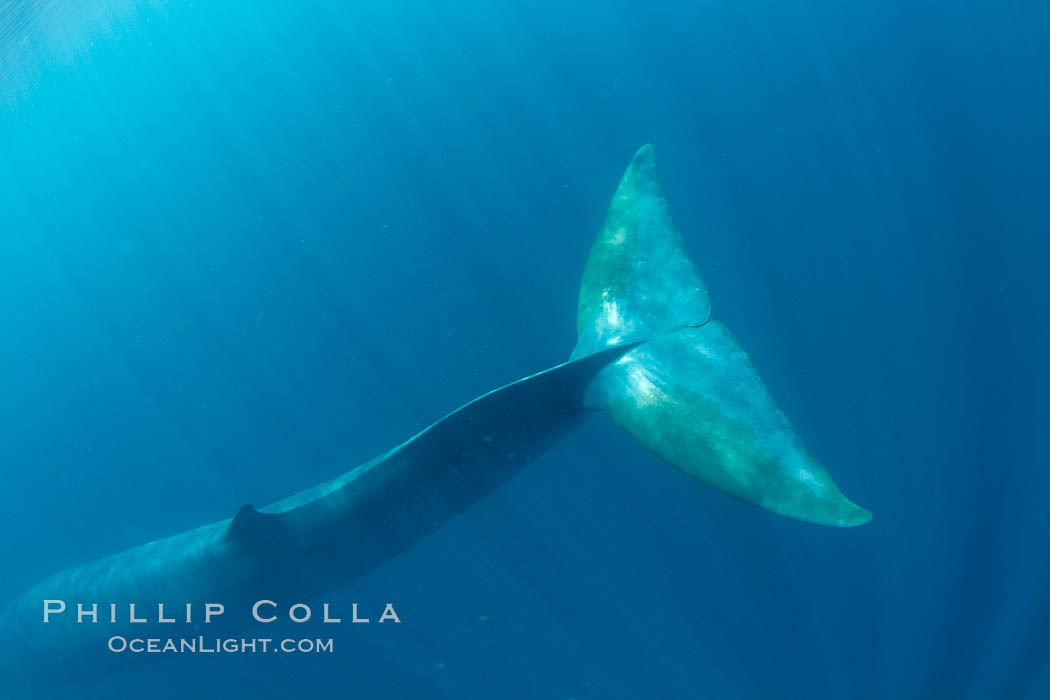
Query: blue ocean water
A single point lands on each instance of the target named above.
(247, 245)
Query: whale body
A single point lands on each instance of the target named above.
(648, 354)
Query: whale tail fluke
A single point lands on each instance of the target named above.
(689, 392)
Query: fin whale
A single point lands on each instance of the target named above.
(648, 354)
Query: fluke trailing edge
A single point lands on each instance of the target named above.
(648, 354)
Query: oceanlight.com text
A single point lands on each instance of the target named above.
(216, 645)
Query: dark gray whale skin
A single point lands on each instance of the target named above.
(304, 546)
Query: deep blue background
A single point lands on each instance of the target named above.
(245, 245)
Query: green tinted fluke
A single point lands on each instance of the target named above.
(689, 393)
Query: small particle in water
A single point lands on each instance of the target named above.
(483, 618)
(440, 664)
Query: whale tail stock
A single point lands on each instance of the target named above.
(687, 391)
